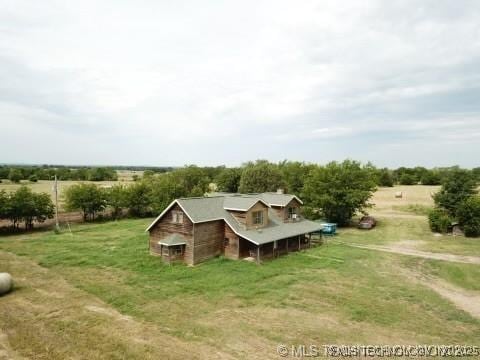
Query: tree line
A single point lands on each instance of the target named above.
(33, 173)
(335, 191)
(25, 206)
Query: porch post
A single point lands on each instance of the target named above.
(258, 254)
(299, 245)
(287, 245)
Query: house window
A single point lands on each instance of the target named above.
(257, 217)
(178, 250)
(177, 217)
(226, 242)
(292, 212)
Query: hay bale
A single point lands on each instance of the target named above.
(399, 194)
(6, 283)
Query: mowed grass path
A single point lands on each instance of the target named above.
(329, 294)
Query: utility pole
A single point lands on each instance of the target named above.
(55, 187)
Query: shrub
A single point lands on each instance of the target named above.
(407, 179)
(384, 178)
(33, 178)
(439, 221)
(468, 214)
(457, 187)
(431, 177)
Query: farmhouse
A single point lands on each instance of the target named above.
(234, 225)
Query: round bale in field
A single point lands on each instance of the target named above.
(6, 283)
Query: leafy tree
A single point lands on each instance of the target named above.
(439, 220)
(4, 171)
(407, 179)
(260, 176)
(43, 210)
(431, 177)
(21, 203)
(64, 173)
(26, 206)
(193, 179)
(294, 174)
(457, 187)
(15, 175)
(229, 180)
(85, 197)
(4, 205)
(340, 190)
(384, 177)
(117, 199)
(468, 215)
(138, 199)
(102, 174)
(476, 173)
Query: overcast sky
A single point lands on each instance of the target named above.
(222, 82)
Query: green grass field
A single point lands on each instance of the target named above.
(96, 292)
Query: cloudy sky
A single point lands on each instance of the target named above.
(150, 82)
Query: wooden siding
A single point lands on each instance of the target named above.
(208, 240)
(249, 216)
(232, 250)
(282, 212)
(165, 227)
(240, 216)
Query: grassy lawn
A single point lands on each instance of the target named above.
(329, 294)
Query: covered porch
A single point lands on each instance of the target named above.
(273, 249)
(172, 248)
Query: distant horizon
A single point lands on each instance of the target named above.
(180, 166)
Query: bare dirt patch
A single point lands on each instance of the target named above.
(468, 301)
(399, 249)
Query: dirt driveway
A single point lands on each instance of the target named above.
(396, 249)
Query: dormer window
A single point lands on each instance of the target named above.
(257, 217)
(292, 212)
(177, 217)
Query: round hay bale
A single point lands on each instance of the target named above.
(6, 283)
